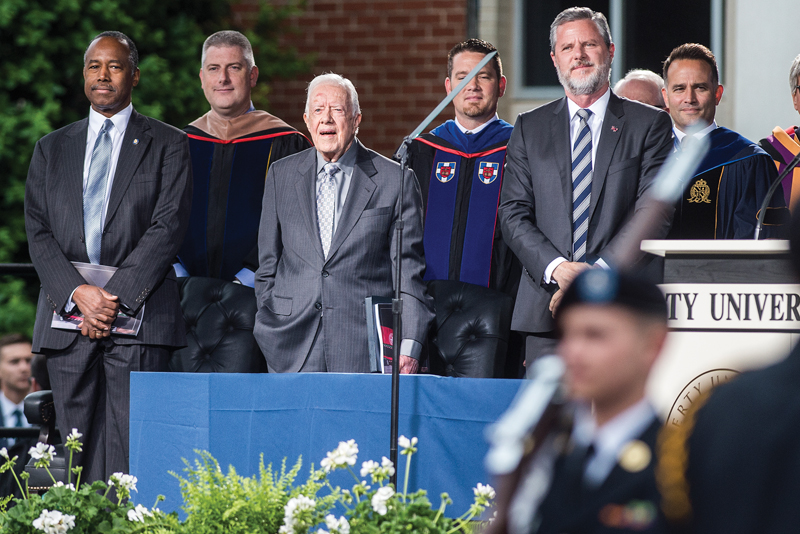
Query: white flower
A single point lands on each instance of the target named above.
(388, 466)
(124, 482)
(42, 451)
(337, 526)
(139, 513)
(369, 467)
(406, 443)
(293, 508)
(345, 454)
(4, 453)
(54, 522)
(60, 484)
(486, 491)
(74, 435)
(380, 499)
(409, 446)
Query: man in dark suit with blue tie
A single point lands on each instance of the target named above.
(115, 190)
(577, 171)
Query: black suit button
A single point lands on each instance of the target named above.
(318, 305)
(325, 274)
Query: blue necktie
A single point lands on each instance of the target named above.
(95, 196)
(581, 186)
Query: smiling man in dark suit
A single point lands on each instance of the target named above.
(577, 170)
(115, 190)
(327, 241)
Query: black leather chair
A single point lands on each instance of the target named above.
(471, 332)
(40, 410)
(220, 317)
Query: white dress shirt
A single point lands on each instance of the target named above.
(679, 135)
(609, 439)
(9, 418)
(467, 131)
(117, 133)
(595, 123)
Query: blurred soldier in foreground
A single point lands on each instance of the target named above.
(597, 462)
(733, 466)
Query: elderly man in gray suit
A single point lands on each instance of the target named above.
(327, 241)
(113, 189)
(577, 171)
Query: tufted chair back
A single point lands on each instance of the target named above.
(219, 319)
(470, 334)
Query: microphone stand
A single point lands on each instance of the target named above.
(771, 191)
(397, 301)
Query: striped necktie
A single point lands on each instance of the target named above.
(581, 185)
(94, 198)
(326, 198)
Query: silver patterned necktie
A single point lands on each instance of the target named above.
(581, 185)
(95, 196)
(326, 198)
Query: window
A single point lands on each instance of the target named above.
(644, 34)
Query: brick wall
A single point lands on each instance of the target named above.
(394, 51)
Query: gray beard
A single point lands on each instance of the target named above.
(588, 85)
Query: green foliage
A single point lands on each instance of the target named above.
(217, 503)
(93, 513)
(41, 87)
(415, 515)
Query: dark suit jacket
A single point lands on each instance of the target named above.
(744, 454)
(295, 286)
(624, 502)
(536, 200)
(146, 218)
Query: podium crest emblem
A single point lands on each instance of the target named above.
(487, 171)
(700, 192)
(445, 171)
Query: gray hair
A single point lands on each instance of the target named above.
(644, 75)
(229, 38)
(794, 72)
(580, 13)
(334, 79)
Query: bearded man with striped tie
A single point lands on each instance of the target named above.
(577, 170)
(111, 190)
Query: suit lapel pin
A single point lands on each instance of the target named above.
(614, 129)
(135, 141)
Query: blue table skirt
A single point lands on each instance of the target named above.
(237, 417)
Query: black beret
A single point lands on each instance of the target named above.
(607, 287)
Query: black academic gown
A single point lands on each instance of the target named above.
(229, 180)
(723, 199)
(625, 502)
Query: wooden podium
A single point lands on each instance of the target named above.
(733, 306)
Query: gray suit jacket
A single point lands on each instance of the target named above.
(147, 215)
(296, 287)
(536, 200)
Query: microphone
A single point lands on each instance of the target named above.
(771, 191)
